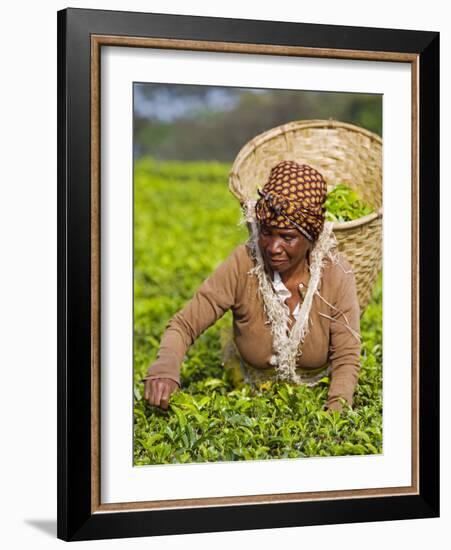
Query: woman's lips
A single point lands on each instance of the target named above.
(276, 261)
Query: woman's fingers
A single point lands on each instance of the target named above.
(147, 390)
(164, 400)
(168, 386)
(159, 388)
(158, 391)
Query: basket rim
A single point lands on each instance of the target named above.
(342, 226)
(257, 141)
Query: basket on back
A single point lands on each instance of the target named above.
(342, 153)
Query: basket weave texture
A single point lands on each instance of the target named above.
(342, 153)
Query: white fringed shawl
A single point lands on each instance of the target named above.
(286, 344)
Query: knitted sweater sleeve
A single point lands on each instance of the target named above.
(210, 302)
(344, 349)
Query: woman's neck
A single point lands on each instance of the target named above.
(297, 273)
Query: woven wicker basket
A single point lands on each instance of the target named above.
(343, 153)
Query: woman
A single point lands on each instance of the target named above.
(294, 301)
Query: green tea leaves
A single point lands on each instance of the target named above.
(343, 205)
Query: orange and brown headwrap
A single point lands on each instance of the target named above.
(293, 196)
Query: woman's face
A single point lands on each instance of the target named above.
(283, 249)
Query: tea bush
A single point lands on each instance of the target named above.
(186, 223)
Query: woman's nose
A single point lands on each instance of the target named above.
(274, 246)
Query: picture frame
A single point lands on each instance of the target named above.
(81, 36)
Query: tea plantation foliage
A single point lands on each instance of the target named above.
(186, 223)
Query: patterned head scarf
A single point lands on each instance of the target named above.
(294, 195)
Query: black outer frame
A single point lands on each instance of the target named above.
(75, 520)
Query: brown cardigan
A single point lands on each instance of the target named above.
(230, 286)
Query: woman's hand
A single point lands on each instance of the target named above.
(338, 404)
(158, 390)
(335, 406)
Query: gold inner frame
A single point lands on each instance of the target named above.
(97, 41)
